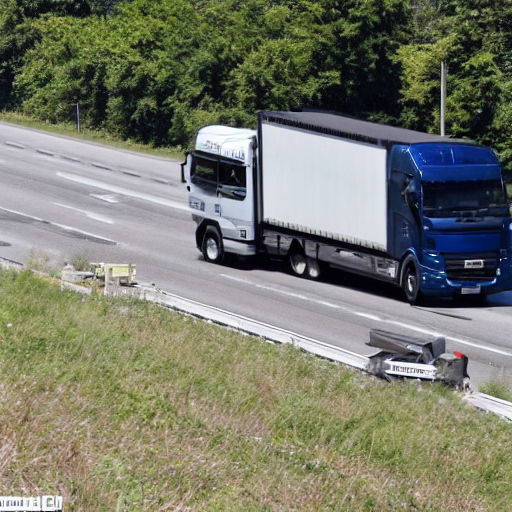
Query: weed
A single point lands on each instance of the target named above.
(80, 262)
(41, 261)
(498, 389)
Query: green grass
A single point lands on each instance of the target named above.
(121, 405)
(497, 388)
(98, 136)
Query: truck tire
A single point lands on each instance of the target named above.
(298, 262)
(411, 280)
(212, 248)
(314, 269)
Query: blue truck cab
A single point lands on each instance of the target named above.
(450, 219)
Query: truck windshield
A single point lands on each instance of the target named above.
(464, 198)
(221, 177)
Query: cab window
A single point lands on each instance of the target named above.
(204, 173)
(232, 180)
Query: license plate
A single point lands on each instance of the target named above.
(471, 291)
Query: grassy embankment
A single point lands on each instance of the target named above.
(98, 136)
(121, 405)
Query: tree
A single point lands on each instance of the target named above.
(474, 38)
(362, 38)
(15, 38)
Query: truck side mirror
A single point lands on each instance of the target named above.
(410, 195)
(185, 168)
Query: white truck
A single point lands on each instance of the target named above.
(418, 210)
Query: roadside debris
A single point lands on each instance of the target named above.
(70, 275)
(403, 356)
(376, 364)
(108, 276)
(116, 273)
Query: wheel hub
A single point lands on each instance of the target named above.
(212, 249)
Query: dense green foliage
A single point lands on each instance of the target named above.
(156, 70)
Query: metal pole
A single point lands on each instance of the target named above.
(78, 116)
(443, 95)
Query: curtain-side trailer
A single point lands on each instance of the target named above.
(422, 211)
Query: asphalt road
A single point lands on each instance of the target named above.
(63, 198)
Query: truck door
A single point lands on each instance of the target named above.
(234, 192)
(403, 207)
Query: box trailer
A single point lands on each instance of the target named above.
(424, 212)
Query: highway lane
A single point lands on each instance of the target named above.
(62, 197)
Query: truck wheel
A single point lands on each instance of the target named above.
(298, 263)
(314, 268)
(212, 245)
(411, 280)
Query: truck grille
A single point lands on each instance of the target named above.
(471, 267)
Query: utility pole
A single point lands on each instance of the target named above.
(443, 95)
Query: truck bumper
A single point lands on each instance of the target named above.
(436, 282)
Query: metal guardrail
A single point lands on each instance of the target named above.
(490, 403)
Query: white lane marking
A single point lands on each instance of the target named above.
(109, 198)
(15, 144)
(328, 304)
(90, 215)
(72, 158)
(282, 292)
(22, 214)
(123, 191)
(374, 317)
(62, 226)
(45, 152)
(368, 316)
(86, 233)
(246, 281)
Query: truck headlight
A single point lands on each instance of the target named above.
(196, 204)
